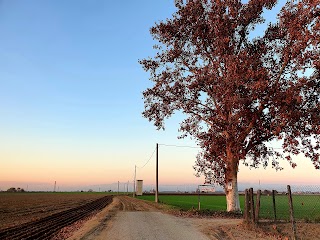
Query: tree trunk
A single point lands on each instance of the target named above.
(232, 194)
(231, 180)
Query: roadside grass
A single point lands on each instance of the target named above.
(306, 207)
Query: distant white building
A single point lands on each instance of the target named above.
(207, 188)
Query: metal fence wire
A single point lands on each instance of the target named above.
(298, 206)
(274, 205)
(306, 203)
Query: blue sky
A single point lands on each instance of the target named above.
(71, 93)
(72, 65)
(71, 84)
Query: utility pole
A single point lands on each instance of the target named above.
(128, 188)
(134, 181)
(55, 184)
(118, 187)
(157, 182)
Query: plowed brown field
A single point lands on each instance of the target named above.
(19, 208)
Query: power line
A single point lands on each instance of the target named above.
(184, 146)
(181, 146)
(148, 160)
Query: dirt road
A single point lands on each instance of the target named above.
(135, 220)
(128, 218)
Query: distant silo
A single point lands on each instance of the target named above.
(139, 189)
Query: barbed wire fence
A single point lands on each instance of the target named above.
(298, 205)
(274, 204)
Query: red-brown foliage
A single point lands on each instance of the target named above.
(238, 93)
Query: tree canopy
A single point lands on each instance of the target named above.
(239, 93)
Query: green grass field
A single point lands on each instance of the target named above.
(186, 202)
(306, 207)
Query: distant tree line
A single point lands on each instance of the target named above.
(12, 189)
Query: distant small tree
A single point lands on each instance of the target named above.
(238, 94)
(12, 189)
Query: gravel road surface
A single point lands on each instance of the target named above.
(151, 225)
(128, 218)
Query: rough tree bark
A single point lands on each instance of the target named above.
(232, 194)
(231, 182)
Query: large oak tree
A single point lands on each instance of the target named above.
(239, 93)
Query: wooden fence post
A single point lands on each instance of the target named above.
(257, 206)
(252, 206)
(199, 198)
(274, 205)
(247, 206)
(294, 232)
